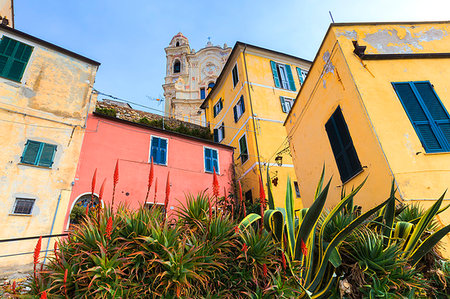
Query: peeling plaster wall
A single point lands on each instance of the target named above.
(50, 105)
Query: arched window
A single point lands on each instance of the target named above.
(79, 208)
(211, 85)
(176, 66)
(177, 44)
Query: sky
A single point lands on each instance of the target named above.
(128, 37)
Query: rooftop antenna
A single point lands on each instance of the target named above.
(331, 16)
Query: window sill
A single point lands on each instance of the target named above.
(353, 176)
(6, 78)
(37, 166)
(211, 172)
(432, 153)
(21, 215)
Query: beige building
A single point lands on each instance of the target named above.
(45, 95)
(189, 75)
(7, 13)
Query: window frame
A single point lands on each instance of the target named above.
(204, 160)
(301, 73)
(235, 80)
(246, 147)
(216, 110)
(240, 104)
(283, 100)
(288, 81)
(167, 150)
(179, 66)
(17, 198)
(221, 129)
(38, 157)
(343, 148)
(435, 129)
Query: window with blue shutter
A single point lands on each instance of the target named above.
(342, 145)
(282, 75)
(158, 150)
(239, 109)
(428, 116)
(218, 107)
(202, 93)
(219, 134)
(14, 57)
(301, 75)
(235, 76)
(211, 160)
(38, 153)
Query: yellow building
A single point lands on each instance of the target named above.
(375, 104)
(45, 95)
(246, 109)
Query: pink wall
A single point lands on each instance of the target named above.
(107, 140)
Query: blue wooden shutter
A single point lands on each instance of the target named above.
(242, 105)
(208, 160)
(342, 146)
(290, 77)
(216, 135)
(276, 79)
(30, 153)
(422, 106)
(283, 108)
(215, 161)
(163, 150)
(47, 154)
(154, 150)
(223, 130)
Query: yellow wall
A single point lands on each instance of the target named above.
(48, 105)
(7, 10)
(384, 138)
(264, 132)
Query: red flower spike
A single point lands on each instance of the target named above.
(262, 198)
(13, 288)
(65, 282)
(283, 261)
(209, 208)
(150, 181)
(87, 210)
(109, 228)
(116, 173)
(236, 229)
(55, 250)
(156, 190)
(265, 270)
(166, 200)
(44, 295)
(37, 251)
(304, 248)
(102, 189)
(244, 248)
(94, 179)
(215, 184)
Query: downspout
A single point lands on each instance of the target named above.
(53, 224)
(251, 109)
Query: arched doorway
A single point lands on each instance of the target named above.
(79, 207)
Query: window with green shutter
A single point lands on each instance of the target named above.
(14, 57)
(286, 104)
(282, 76)
(301, 75)
(342, 145)
(235, 75)
(38, 153)
(428, 116)
(243, 149)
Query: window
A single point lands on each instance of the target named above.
(218, 107)
(243, 149)
(177, 44)
(239, 109)
(176, 66)
(282, 75)
(248, 196)
(219, 134)
(297, 189)
(158, 150)
(158, 206)
(38, 153)
(211, 85)
(202, 93)
(211, 159)
(235, 76)
(342, 145)
(286, 104)
(14, 57)
(301, 75)
(23, 206)
(428, 116)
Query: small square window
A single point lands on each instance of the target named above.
(38, 153)
(23, 206)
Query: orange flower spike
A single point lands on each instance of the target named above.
(100, 194)
(215, 184)
(55, 250)
(283, 261)
(265, 270)
(236, 229)
(44, 295)
(13, 288)
(65, 282)
(244, 248)
(150, 175)
(156, 190)
(37, 251)
(109, 228)
(304, 248)
(116, 173)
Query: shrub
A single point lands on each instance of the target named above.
(106, 111)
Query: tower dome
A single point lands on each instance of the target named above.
(178, 40)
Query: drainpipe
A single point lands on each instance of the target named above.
(53, 224)
(251, 108)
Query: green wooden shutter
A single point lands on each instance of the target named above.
(299, 74)
(14, 57)
(290, 77)
(216, 135)
(30, 152)
(242, 105)
(283, 108)
(243, 149)
(276, 79)
(47, 154)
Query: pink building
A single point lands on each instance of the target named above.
(190, 161)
